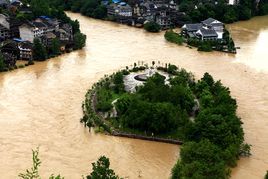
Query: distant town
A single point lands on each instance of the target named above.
(165, 13)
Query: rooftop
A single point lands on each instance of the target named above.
(193, 27)
(210, 20)
(208, 32)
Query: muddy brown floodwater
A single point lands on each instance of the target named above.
(41, 105)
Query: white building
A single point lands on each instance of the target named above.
(4, 27)
(28, 32)
(214, 24)
(209, 29)
(122, 9)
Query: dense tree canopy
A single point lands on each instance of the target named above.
(152, 27)
(173, 37)
(39, 50)
(195, 10)
(200, 160)
(55, 47)
(2, 63)
(202, 9)
(201, 113)
(156, 107)
(40, 7)
(79, 40)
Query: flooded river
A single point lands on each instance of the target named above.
(41, 105)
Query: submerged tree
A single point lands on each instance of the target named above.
(55, 47)
(2, 63)
(101, 170)
(152, 27)
(266, 176)
(200, 160)
(33, 173)
(79, 40)
(39, 51)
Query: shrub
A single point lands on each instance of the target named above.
(79, 40)
(152, 27)
(173, 37)
(21, 66)
(206, 47)
(30, 62)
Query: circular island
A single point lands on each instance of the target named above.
(167, 104)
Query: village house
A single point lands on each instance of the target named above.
(209, 29)
(16, 3)
(52, 24)
(207, 34)
(31, 30)
(8, 27)
(38, 28)
(147, 11)
(4, 27)
(119, 10)
(4, 3)
(215, 25)
(162, 12)
(26, 50)
(46, 29)
(65, 34)
(10, 51)
(48, 38)
(163, 18)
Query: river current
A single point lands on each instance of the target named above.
(41, 105)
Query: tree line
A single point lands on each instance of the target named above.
(198, 10)
(195, 10)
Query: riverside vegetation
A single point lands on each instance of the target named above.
(194, 11)
(224, 45)
(100, 169)
(212, 133)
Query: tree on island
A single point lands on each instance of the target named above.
(201, 113)
(200, 160)
(39, 50)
